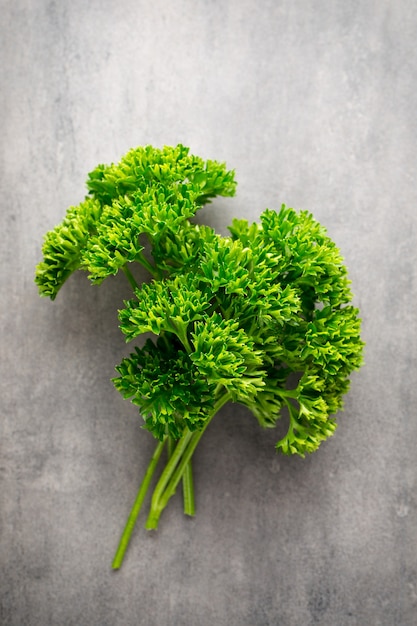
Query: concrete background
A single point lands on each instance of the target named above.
(314, 105)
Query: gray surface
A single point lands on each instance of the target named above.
(314, 104)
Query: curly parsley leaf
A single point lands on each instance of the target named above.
(151, 192)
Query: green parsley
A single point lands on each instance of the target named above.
(232, 318)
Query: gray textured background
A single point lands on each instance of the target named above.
(314, 104)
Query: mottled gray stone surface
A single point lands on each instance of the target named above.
(314, 104)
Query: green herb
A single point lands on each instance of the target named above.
(261, 318)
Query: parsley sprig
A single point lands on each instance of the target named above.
(262, 317)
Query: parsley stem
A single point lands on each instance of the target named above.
(286, 393)
(140, 257)
(168, 471)
(130, 277)
(171, 476)
(180, 330)
(170, 446)
(162, 496)
(187, 482)
(185, 342)
(188, 490)
(131, 521)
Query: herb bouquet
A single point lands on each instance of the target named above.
(232, 318)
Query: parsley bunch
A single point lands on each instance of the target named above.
(261, 317)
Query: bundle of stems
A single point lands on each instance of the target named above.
(178, 468)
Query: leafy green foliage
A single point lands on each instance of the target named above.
(238, 315)
(169, 305)
(225, 354)
(254, 309)
(164, 383)
(318, 340)
(262, 317)
(65, 246)
(151, 192)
